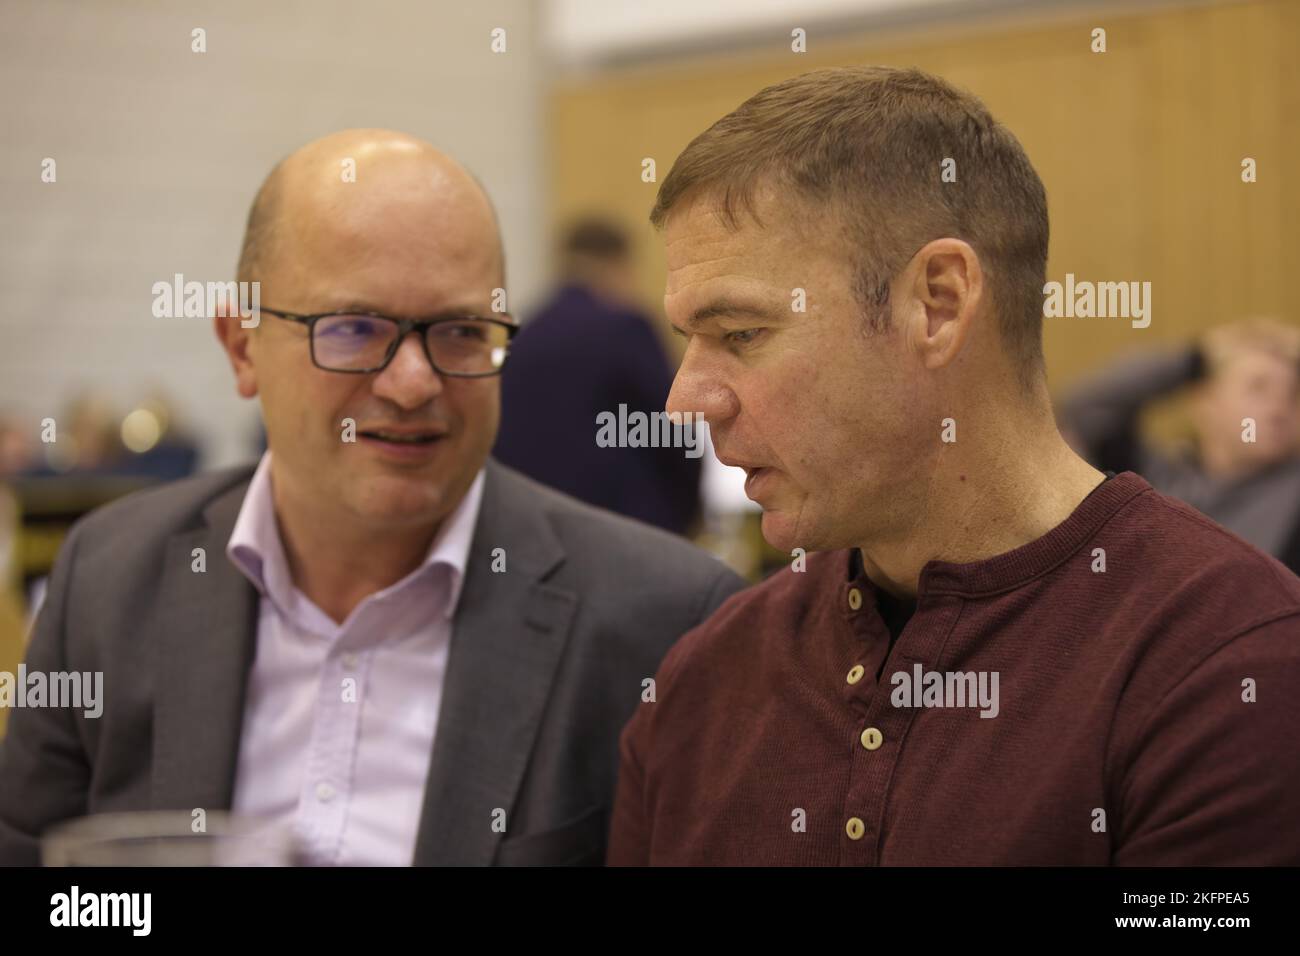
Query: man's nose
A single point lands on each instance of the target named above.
(699, 387)
(409, 381)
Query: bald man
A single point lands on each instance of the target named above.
(378, 638)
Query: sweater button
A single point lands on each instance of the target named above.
(855, 673)
(872, 738)
(855, 828)
(855, 599)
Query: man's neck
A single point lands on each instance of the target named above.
(338, 564)
(984, 499)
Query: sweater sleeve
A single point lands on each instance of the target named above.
(629, 837)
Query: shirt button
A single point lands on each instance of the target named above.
(855, 673)
(855, 828)
(872, 738)
(324, 792)
(855, 599)
(350, 661)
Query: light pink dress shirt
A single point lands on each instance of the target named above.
(340, 719)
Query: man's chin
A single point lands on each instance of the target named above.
(787, 530)
(404, 499)
(778, 528)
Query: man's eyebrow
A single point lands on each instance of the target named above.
(720, 307)
(360, 307)
(355, 306)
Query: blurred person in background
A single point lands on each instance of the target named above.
(378, 637)
(1243, 383)
(90, 439)
(17, 448)
(93, 440)
(587, 351)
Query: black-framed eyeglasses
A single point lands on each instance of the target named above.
(463, 346)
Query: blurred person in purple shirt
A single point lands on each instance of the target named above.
(588, 350)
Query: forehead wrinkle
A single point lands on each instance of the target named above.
(745, 294)
(699, 273)
(704, 248)
(752, 251)
(709, 260)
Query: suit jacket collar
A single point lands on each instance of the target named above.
(508, 637)
(206, 634)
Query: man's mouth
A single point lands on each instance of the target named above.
(753, 477)
(403, 437)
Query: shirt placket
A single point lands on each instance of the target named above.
(328, 782)
(879, 728)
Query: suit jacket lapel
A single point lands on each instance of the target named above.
(507, 639)
(206, 633)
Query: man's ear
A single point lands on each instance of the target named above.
(236, 339)
(945, 285)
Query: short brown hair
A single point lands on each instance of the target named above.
(870, 142)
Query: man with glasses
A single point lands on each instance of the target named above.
(379, 637)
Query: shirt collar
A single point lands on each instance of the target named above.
(1016, 567)
(256, 550)
(1013, 568)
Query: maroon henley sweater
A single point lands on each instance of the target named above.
(1146, 714)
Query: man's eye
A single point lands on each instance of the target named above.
(743, 336)
(471, 331)
(349, 328)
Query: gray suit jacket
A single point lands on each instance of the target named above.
(545, 668)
